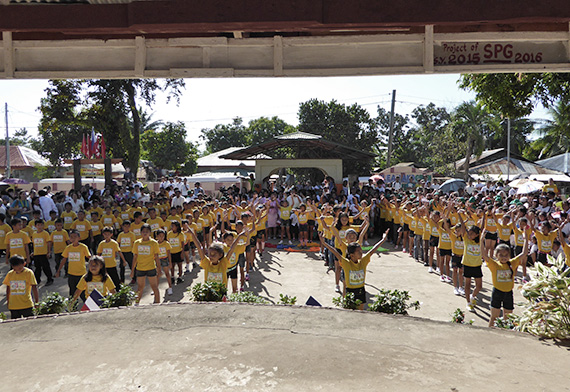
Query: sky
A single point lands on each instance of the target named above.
(207, 102)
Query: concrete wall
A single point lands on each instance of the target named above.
(331, 167)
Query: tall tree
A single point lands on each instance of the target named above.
(167, 148)
(471, 121)
(111, 107)
(263, 129)
(348, 125)
(555, 132)
(224, 136)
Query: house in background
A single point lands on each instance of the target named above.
(559, 162)
(23, 163)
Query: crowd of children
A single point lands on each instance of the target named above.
(452, 235)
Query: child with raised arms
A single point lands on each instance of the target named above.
(354, 267)
(472, 261)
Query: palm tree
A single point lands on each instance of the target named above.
(470, 122)
(147, 123)
(556, 132)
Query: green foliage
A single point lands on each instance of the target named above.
(547, 313)
(511, 322)
(72, 108)
(516, 95)
(125, 296)
(247, 297)
(236, 134)
(347, 302)
(287, 300)
(347, 125)
(458, 317)
(54, 303)
(168, 149)
(393, 302)
(3, 317)
(208, 292)
(555, 134)
(44, 172)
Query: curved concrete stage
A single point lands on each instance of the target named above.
(222, 347)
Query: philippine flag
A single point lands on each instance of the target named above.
(93, 302)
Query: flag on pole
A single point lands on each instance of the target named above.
(84, 147)
(103, 148)
(93, 143)
(93, 302)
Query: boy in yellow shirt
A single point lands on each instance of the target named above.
(77, 254)
(59, 241)
(68, 216)
(96, 227)
(42, 248)
(126, 240)
(17, 242)
(21, 284)
(109, 249)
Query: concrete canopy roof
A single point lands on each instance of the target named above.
(307, 145)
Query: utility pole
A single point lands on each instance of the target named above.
(508, 149)
(7, 174)
(391, 132)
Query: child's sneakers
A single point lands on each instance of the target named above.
(290, 243)
(187, 269)
(442, 279)
(473, 301)
(337, 288)
(366, 243)
(470, 308)
(461, 290)
(437, 271)
(456, 291)
(179, 280)
(430, 270)
(247, 277)
(281, 242)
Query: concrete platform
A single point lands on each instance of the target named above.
(227, 347)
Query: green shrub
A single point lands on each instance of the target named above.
(347, 302)
(3, 317)
(393, 302)
(54, 303)
(247, 297)
(208, 292)
(458, 317)
(125, 296)
(511, 322)
(547, 313)
(286, 300)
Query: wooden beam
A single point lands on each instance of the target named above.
(428, 49)
(9, 66)
(277, 56)
(140, 56)
(238, 34)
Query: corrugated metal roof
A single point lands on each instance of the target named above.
(559, 162)
(517, 167)
(215, 160)
(475, 159)
(22, 157)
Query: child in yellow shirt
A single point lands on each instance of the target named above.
(20, 285)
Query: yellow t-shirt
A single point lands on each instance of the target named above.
(566, 250)
(339, 243)
(176, 241)
(136, 229)
(504, 231)
(444, 238)
(126, 241)
(544, 242)
(457, 245)
(434, 229)
(96, 284)
(4, 229)
(550, 188)
(108, 220)
(76, 257)
(490, 224)
(17, 243)
(285, 212)
(59, 241)
(171, 219)
(471, 253)
(163, 249)
(108, 250)
(83, 227)
(503, 276)
(20, 289)
(232, 258)
(146, 252)
(68, 218)
(427, 229)
(125, 215)
(156, 223)
(96, 227)
(50, 226)
(215, 273)
(354, 273)
(199, 223)
(519, 235)
(40, 241)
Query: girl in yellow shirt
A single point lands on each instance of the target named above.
(145, 260)
(472, 261)
(177, 241)
(96, 278)
(503, 270)
(303, 218)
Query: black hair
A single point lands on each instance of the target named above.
(159, 231)
(228, 234)
(38, 221)
(338, 223)
(102, 271)
(58, 220)
(2, 217)
(107, 229)
(146, 226)
(16, 260)
(177, 225)
(126, 222)
(73, 231)
(351, 248)
(15, 221)
(476, 230)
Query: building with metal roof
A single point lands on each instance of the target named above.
(559, 162)
(216, 164)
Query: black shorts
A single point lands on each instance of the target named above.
(396, 227)
(241, 260)
(19, 313)
(192, 245)
(518, 250)
(508, 243)
(406, 227)
(311, 222)
(359, 293)
(232, 272)
(200, 236)
(491, 236)
(260, 233)
(472, 272)
(176, 257)
(206, 230)
(186, 247)
(164, 262)
(445, 252)
(253, 240)
(500, 299)
(286, 222)
(304, 227)
(149, 273)
(456, 261)
(433, 241)
(542, 257)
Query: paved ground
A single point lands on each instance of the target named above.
(303, 275)
(227, 347)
